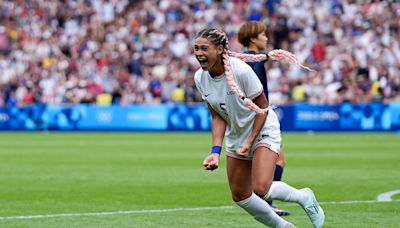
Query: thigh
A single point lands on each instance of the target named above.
(281, 159)
(239, 178)
(263, 169)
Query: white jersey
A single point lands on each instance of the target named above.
(239, 118)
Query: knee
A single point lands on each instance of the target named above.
(239, 196)
(261, 188)
(281, 163)
(281, 159)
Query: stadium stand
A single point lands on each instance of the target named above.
(134, 52)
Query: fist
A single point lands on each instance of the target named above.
(243, 151)
(211, 162)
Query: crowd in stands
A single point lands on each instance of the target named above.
(140, 52)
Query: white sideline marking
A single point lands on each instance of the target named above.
(358, 202)
(116, 212)
(162, 210)
(387, 196)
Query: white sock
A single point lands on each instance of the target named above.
(261, 211)
(281, 191)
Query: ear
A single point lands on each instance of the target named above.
(252, 40)
(220, 49)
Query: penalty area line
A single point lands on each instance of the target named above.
(162, 210)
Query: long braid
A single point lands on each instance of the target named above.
(231, 82)
(218, 37)
(282, 55)
(247, 57)
(278, 55)
(253, 29)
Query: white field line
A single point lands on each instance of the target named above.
(387, 196)
(163, 210)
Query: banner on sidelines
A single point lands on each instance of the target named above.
(174, 117)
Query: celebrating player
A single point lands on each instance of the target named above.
(240, 112)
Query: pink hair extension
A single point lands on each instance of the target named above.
(218, 37)
(231, 82)
(229, 76)
(250, 104)
(248, 57)
(278, 55)
(282, 55)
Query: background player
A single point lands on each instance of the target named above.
(252, 35)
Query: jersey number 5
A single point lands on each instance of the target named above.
(222, 106)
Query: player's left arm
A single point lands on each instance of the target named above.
(260, 118)
(254, 90)
(259, 121)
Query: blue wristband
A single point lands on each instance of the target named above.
(216, 150)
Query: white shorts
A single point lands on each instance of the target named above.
(270, 137)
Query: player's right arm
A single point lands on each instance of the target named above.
(218, 126)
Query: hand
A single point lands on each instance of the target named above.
(211, 162)
(244, 150)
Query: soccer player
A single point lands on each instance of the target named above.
(252, 36)
(240, 112)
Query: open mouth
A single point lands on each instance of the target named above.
(203, 62)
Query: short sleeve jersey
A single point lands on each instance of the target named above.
(216, 92)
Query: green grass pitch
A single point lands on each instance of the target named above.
(157, 180)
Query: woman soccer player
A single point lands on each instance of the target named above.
(252, 36)
(240, 112)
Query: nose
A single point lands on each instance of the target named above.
(198, 52)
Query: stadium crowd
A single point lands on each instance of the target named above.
(132, 51)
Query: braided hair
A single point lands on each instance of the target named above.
(218, 37)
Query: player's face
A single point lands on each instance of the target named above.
(207, 54)
(261, 41)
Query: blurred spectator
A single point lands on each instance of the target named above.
(104, 99)
(130, 52)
